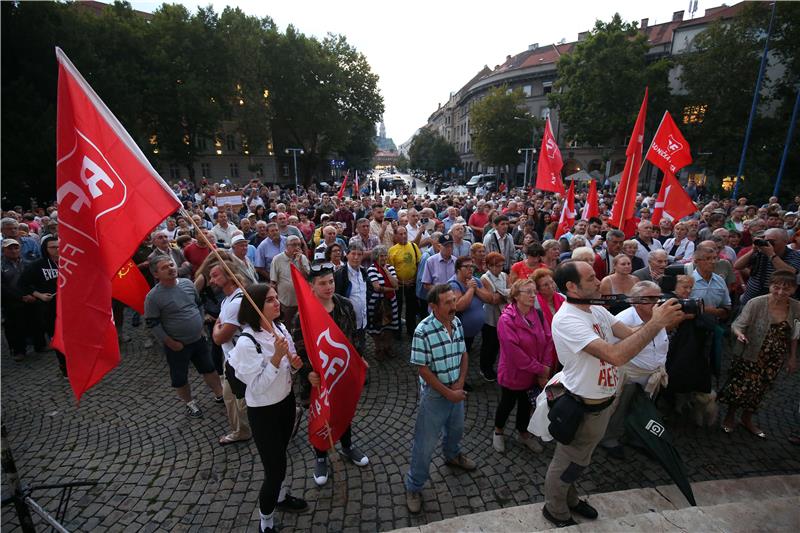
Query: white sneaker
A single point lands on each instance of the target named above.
(498, 443)
(321, 471)
(532, 443)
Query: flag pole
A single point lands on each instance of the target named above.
(789, 136)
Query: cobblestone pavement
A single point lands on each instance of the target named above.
(161, 471)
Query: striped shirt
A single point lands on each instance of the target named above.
(435, 348)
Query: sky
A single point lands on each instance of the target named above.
(423, 50)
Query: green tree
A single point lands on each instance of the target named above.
(501, 127)
(601, 83)
(403, 163)
(431, 152)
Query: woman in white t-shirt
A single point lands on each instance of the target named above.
(264, 359)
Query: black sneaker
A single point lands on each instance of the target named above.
(555, 521)
(321, 471)
(192, 411)
(585, 510)
(356, 456)
(219, 399)
(489, 376)
(292, 504)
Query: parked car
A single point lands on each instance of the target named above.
(481, 179)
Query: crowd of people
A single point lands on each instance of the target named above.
(446, 271)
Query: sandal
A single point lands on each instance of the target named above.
(755, 431)
(228, 439)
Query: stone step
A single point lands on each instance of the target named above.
(747, 504)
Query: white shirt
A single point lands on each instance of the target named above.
(358, 296)
(229, 314)
(266, 384)
(412, 231)
(643, 253)
(224, 234)
(684, 252)
(654, 354)
(584, 374)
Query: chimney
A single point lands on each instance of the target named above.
(643, 25)
(583, 35)
(533, 46)
(677, 16)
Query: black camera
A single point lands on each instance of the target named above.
(693, 306)
(760, 242)
(424, 220)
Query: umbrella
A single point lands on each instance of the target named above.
(580, 175)
(596, 175)
(644, 422)
(615, 178)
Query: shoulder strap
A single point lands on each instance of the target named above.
(416, 251)
(497, 241)
(258, 346)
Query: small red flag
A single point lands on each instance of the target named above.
(548, 171)
(109, 198)
(567, 220)
(673, 202)
(357, 191)
(625, 201)
(344, 184)
(592, 207)
(669, 150)
(341, 370)
(129, 287)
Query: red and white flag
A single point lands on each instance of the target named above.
(130, 287)
(625, 201)
(673, 201)
(109, 198)
(344, 184)
(341, 370)
(548, 171)
(567, 220)
(592, 207)
(669, 150)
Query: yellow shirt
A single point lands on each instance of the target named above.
(405, 258)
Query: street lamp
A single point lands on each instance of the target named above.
(532, 152)
(295, 151)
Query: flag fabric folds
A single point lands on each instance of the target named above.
(669, 150)
(340, 194)
(129, 287)
(624, 202)
(548, 171)
(673, 201)
(109, 198)
(567, 220)
(592, 207)
(341, 369)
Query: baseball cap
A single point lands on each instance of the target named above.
(237, 239)
(9, 242)
(446, 239)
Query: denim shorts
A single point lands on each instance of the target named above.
(197, 353)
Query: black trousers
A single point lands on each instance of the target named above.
(408, 303)
(507, 399)
(272, 428)
(46, 322)
(17, 325)
(346, 440)
(490, 347)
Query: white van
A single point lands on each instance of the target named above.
(480, 179)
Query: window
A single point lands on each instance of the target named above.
(230, 142)
(285, 171)
(205, 170)
(694, 114)
(174, 172)
(547, 87)
(526, 90)
(234, 170)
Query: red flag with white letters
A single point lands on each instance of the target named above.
(669, 151)
(567, 220)
(109, 198)
(548, 171)
(673, 201)
(341, 370)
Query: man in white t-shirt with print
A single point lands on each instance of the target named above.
(587, 339)
(226, 329)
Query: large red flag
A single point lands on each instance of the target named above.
(344, 184)
(342, 371)
(673, 201)
(567, 220)
(548, 171)
(109, 198)
(669, 151)
(625, 201)
(129, 287)
(592, 207)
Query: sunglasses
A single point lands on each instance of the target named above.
(319, 268)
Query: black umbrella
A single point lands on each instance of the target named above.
(644, 422)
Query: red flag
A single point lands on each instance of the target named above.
(669, 151)
(357, 191)
(342, 371)
(344, 184)
(548, 171)
(129, 287)
(109, 198)
(673, 202)
(567, 220)
(592, 207)
(625, 200)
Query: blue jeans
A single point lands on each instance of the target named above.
(436, 414)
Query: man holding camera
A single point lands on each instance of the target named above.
(585, 338)
(765, 257)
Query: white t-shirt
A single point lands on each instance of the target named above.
(584, 374)
(655, 353)
(229, 314)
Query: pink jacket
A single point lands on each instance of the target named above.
(526, 348)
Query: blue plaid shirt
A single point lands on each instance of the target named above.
(433, 347)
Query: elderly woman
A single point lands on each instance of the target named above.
(551, 252)
(583, 253)
(548, 297)
(767, 331)
(679, 248)
(496, 282)
(527, 357)
(629, 248)
(478, 253)
(382, 312)
(333, 255)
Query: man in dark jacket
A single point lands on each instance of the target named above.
(15, 301)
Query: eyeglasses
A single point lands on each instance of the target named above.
(528, 292)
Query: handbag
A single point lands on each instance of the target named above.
(383, 312)
(565, 415)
